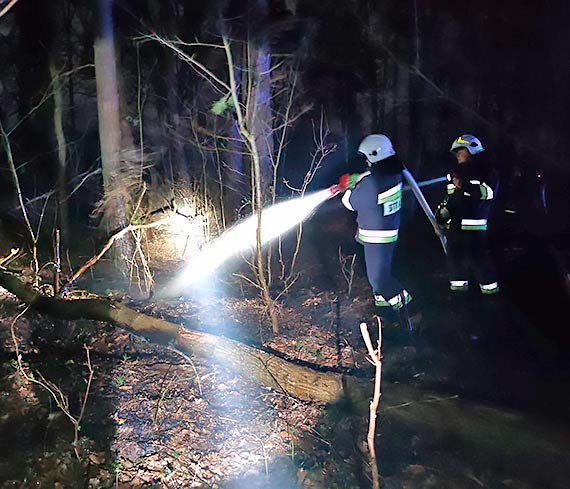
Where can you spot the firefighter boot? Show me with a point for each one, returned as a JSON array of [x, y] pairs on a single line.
[[409, 316]]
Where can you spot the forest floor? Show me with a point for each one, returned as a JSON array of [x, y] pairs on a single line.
[[477, 397]]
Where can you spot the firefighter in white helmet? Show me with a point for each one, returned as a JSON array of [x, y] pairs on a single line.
[[471, 188], [376, 196]]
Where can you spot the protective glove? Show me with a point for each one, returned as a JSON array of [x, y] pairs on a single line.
[[348, 181], [442, 215]]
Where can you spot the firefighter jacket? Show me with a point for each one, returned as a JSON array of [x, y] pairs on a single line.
[[470, 193], [377, 198]]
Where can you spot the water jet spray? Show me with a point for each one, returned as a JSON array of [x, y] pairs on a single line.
[[275, 221]]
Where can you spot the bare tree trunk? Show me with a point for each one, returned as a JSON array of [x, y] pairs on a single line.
[[33, 77], [268, 369], [256, 190], [377, 95], [260, 99], [389, 95], [174, 129], [63, 209], [169, 17], [116, 196], [236, 183], [67, 25]]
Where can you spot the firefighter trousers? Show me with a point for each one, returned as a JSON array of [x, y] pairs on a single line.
[[468, 254], [378, 258]]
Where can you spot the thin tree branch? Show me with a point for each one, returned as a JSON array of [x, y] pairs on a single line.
[[47, 94], [189, 59], [112, 239], [376, 360]]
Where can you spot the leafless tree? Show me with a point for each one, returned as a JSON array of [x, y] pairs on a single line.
[[115, 176]]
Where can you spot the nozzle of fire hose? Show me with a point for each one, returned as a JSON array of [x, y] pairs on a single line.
[[345, 182], [349, 180], [335, 190]]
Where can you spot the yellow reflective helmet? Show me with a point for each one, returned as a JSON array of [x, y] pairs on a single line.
[[469, 142]]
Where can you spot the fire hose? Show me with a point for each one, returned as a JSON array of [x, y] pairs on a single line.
[[415, 188], [425, 207]]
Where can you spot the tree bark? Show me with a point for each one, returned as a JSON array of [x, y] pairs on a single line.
[[171, 90], [63, 209], [259, 110], [116, 199]]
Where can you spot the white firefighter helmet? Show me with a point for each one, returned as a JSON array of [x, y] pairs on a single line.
[[469, 142], [376, 147]]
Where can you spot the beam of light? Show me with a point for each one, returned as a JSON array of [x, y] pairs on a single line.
[[241, 238], [186, 234]]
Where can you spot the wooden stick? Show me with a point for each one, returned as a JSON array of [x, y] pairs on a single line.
[[376, 360]]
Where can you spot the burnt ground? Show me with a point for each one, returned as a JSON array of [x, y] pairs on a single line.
[[476, 397]]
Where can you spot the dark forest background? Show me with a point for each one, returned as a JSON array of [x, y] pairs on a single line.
[[421, 72], [165, 122]]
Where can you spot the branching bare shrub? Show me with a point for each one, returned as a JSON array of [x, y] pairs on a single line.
[[235, 129], [60, 398], [323, 149], [347, 269], [34, 234]]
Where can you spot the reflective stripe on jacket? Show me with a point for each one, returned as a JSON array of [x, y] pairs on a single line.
[[474, 224], [377, 198], [469, 203]]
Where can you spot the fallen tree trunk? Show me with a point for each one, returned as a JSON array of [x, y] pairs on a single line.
[[270, 370]]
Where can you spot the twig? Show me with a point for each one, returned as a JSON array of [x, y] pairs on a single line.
[[77, 424], [189, 360], [347, 271], [257, 200], [57, 262], [162, 395], [46, 96], [190, 60], [8, 150], [112, 239], [146, 271], [264, 452], [84, 178], [290, 284], [13, 253], [376, 360], [247, 279], [56, 393]]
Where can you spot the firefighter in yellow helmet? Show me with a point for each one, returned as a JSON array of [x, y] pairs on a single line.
[[465, 212]]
